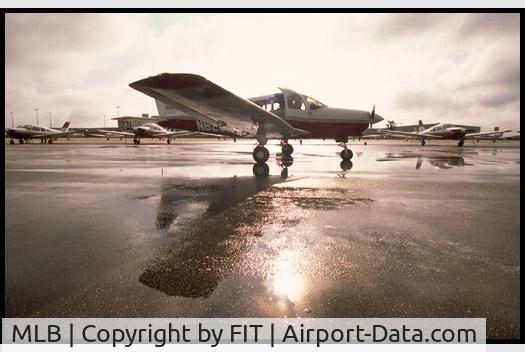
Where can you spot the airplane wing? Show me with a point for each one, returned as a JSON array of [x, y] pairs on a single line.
[[496, 133], [411, 134], [186, 134], [203, 99], [57, 135], [114, 133]]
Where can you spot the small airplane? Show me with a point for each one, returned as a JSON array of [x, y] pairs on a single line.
[[443, 131], [146, 130], [45, 134], [191, 102]]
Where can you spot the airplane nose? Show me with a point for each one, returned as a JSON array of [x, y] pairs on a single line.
[[377, 118]]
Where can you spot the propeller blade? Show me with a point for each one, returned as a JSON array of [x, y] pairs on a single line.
[[372, 115]]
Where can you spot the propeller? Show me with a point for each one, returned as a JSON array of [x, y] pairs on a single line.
[[372, 115]]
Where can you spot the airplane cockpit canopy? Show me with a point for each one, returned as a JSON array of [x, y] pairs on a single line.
[[32, 128], [314, 104], [293, 100], [150, 125]]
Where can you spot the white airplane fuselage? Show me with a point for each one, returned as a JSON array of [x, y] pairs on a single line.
[[30, 132], [149, 130]]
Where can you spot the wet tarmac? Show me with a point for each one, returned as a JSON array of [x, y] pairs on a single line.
[[186, 230]]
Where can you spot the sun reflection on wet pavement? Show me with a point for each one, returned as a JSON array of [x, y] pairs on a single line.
[[172, 231]]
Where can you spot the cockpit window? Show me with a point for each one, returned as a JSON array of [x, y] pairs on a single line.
[[295, 101], [314, 104]]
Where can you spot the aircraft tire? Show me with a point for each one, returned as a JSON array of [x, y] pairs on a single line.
[[11, 142], [20, 141], [168, 141], [50, 141], [346, 165], [261, 169], [287, 149], [422, 142], [346, 154], [260, 154], [460, 143]]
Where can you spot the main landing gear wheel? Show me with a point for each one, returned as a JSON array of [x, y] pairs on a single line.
[[20, 141], [261, 169], [260, 154], [50, 141], [11, 142], [346, 154], [168, 141], [136, 141], [287, 149], [423, 142], [460, 143]]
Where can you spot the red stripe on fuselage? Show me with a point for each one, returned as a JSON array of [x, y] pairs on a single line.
[[329, 129], [316, 129]]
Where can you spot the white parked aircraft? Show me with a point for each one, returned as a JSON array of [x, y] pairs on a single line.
[[191, 102], [45, 134], [443, 131], [147, 130]]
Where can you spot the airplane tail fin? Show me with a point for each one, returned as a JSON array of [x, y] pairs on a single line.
[[166, 110], [161, 107], [420, 127], [65, 126]]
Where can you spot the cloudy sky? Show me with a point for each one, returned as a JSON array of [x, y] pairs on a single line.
[[461, 68]]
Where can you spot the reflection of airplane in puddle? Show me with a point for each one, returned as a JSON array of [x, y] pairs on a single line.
[[195, 268], [443, 131], [437, 161], [191, 102]]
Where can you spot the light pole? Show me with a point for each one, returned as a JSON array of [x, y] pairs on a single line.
[[36, 112], [12, 121], [118, 113]]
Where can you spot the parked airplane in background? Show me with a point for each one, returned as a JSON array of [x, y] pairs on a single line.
[[191, 102], [443, 131], [147, 130], [45, 134]]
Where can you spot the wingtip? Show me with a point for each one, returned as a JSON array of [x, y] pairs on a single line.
[[168, 80]]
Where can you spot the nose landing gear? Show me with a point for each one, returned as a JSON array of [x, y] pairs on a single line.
[[286, 148], [460, 143]]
